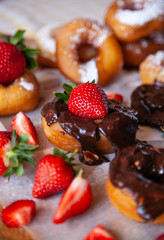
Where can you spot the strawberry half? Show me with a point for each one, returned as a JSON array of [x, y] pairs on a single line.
[[22, 124], [18, 213], [75, 200], [14, 57], [85, 101], [14, 150], [99, 233], [161, 237], [54, 174], [115, 96]]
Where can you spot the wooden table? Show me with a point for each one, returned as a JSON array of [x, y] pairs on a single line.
[[12, 233]]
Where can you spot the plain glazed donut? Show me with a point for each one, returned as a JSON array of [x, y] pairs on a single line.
[[101, 67], [152, 68], [135, 185], [20, 95], [45, 40], [135, 52], [91, 138], [132, 20]]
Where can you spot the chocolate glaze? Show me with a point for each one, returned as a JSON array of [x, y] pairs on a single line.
[[119, 126], [139, 169], [148, 100]]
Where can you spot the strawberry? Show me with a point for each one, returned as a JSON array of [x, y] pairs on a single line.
[[12, 62], [18, 213], [99, 233], [161, 237], [13, 151], [22, 124], [86, 101], [115, 96], [54, 174], [75, 200], [14, 57]]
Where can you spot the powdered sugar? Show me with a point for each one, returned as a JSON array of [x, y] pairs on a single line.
[[89, 71], [92, 33], [157, 58], [149, 12], [26, 85], [44, 39]]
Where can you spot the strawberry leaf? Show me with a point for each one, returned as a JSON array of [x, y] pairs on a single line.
[[67, 91], [59, 153], [5, 38], [21, 152], [13, 139], [18, 37], [19, 170]]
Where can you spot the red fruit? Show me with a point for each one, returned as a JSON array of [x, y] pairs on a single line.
[[161, 237], [53, 175], [75, 200], [18, 213], [115, 96], [88, 101], [22, 124], [5, 145], [12, 62], [99, 233]]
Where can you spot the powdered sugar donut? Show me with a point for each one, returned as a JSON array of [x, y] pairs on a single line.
[[105, 59], [20, 95], [152, 68], [45, 41], [135, 52], [135, 19]]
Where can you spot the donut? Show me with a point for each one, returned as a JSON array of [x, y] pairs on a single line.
[[92, 138], [148, 100], [45, 40], [132, 20], [135, 185], [152, 68], [105, 55], [20, 95], [135, 52]]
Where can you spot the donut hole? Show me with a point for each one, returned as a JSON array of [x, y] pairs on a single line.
[[86, 52]]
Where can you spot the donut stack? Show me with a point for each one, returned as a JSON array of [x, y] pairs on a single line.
[[139, 26]]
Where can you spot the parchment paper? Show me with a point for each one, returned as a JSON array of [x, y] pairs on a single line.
[[101, 210]]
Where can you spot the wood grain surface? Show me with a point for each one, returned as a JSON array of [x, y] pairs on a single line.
[[12, 233]]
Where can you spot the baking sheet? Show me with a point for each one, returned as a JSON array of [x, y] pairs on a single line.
[[101, 210], [32, 15]]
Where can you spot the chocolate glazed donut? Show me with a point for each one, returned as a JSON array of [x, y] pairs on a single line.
[[148, 100], [119, 128], [136, 176]]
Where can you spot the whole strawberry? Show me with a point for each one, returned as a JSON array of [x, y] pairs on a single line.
[[12, 62], [14, 57], [54, 174], [85, 101]]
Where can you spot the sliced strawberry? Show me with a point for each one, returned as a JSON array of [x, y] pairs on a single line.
[[54, 174], [75, 200], [14, 150], [161, 237], [22, 124], [5, 146], [99, 233], [115, 96], [18, 213]]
